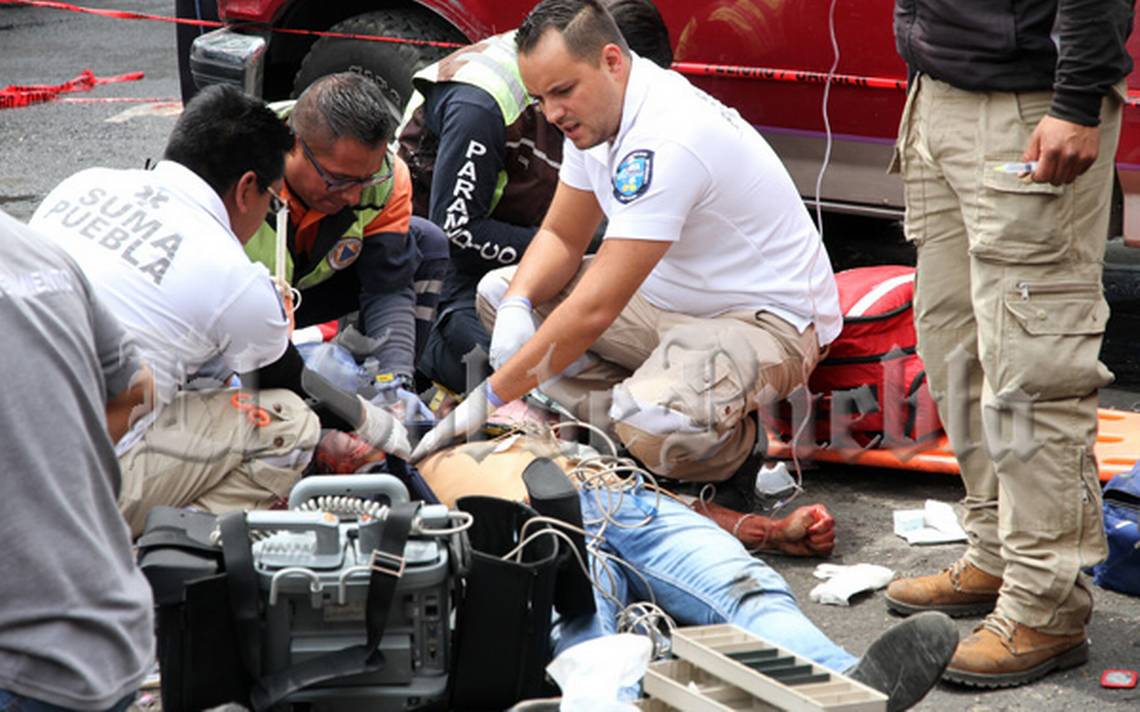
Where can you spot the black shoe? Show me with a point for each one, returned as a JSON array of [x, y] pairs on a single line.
[[738, 492], [908, 660]]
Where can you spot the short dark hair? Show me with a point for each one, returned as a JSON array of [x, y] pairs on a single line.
[[345, 104], [222, 133], [643, 29], [585, 25]]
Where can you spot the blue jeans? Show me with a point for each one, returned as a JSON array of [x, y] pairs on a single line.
[[700, 575], [12, 702]]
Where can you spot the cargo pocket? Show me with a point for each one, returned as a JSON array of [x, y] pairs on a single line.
[[914, 197], [714, 394], [281, 448], [1019, 221], [1052, 340], [699, 374]]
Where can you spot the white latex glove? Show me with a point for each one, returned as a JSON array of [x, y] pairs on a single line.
[[405, 405], [467, 418], [842, 582], [383, 431], [514, 325], [410, 406]]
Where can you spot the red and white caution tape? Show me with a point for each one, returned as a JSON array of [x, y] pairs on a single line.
[[690, 68], [799, 76], [17, 95], [130, 15]]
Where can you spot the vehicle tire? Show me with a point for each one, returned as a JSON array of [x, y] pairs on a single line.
[[390, 64], [185, 36]]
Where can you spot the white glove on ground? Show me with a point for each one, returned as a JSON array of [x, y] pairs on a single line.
[[383, 431], [843, 582], [514, 325]]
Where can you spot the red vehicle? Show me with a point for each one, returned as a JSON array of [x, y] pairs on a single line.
[[726, 46]]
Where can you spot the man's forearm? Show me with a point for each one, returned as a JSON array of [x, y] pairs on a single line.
[[127, 407], [572, 328], [566, 334], [547, 266], [389, 318], [1092, 56], [555, 254]]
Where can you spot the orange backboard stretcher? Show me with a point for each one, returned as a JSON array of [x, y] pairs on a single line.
[[1117, 450]]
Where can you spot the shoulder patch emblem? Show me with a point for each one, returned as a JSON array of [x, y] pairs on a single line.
[[633, 175], [345, 252]]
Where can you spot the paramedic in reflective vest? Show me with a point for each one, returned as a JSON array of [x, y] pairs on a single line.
[[163, 249], [353, 244], [484, 165], [1009, 306], [712, 293]]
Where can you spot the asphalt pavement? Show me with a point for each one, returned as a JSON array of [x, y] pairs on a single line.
[[43, 144]]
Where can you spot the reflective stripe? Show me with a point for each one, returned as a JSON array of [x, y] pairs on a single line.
[[425, 313], [880, 290], [500, 186], [489, 65], [431, 286], [282, 108], [538, 153], [509, 78]]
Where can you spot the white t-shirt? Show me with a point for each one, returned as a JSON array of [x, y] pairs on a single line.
[[686, 169], [158, 248]]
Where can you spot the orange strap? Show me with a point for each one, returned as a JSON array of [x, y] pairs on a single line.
[[257, 415]]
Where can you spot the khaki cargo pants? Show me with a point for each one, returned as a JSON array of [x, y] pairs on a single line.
[[204, 451], [676, 388], [1010, 316]]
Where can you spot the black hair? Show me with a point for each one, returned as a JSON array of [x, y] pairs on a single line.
[[644, 30], [585, 25], [222, 133], [343, 104]]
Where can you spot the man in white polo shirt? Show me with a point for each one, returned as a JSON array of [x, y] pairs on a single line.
[[712, 293]]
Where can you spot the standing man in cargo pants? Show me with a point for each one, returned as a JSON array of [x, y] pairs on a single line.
[[1009, 306]]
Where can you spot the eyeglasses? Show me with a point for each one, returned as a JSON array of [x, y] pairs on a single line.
[[276, 202], [336, 185]]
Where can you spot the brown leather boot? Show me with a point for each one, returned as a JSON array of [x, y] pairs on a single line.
[[1004, 653], [962, 589]]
